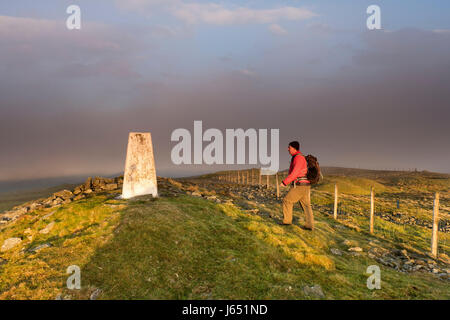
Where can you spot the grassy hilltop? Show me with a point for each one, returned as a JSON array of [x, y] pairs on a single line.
[[202, 239]]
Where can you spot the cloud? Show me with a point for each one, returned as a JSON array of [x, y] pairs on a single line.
[[216, 14], [320, 28], [68, 100], [277, 29], [247, 72], [47, 46], [139, 5], [211, 13], [442, 31]]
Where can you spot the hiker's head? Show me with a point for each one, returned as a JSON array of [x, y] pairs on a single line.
[[293, 148]]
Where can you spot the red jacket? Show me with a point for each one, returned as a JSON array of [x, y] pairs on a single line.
[[297, 169]]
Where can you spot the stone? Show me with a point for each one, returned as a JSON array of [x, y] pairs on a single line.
[[95, 294], [347, 242], [443, 276], [33, 206], [64, 194], [314, 291], [140, 172], [111, 186], [77, 190], [118, 180], [79, 197], [48, 228], [48, 215], [355, 249], [40, 247], [98, 183], [336, 252], [88, 184], [10, 243], [21, 210], [57, 201]]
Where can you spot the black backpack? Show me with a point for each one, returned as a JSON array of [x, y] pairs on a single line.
[[313, 174]]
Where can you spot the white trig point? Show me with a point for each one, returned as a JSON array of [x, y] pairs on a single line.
[[140, 173]]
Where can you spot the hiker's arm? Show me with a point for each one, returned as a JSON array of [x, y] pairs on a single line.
[[297, 171]]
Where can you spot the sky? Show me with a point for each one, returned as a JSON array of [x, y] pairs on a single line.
[[353, 97]]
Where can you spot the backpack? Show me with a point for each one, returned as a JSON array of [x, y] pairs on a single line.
[[314, 173]]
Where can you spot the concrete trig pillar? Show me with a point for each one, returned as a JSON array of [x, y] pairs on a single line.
[[140, 173]]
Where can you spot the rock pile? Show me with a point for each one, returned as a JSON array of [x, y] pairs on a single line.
[[404, 261], [91, 185]]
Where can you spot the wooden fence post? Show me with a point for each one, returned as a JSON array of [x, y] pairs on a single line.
[[247, 176], [335, 201], [371, 209], [434, 236], [278, 186], [267, 181], [260, 177]]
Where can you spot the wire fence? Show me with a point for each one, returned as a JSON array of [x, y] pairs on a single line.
[[390, 215]]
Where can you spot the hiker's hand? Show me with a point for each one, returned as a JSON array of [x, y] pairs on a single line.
[[282, 185]]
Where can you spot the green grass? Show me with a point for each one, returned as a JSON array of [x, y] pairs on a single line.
[[191, 248], [80, 229], [353, 185]]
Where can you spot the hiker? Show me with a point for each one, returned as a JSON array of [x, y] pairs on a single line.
[[301, 187]]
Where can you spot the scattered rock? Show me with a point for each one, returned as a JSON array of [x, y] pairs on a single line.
[[10, 243], [355, 249], [314, 291], [78, 190], [348, 242], [88, 184], [48, 228], [40, 247], [79, 197], [95, 294], [64, 194], [111, 186], [336, 252], [48, 215]]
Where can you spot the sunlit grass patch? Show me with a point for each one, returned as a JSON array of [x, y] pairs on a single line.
[[79, 229]]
